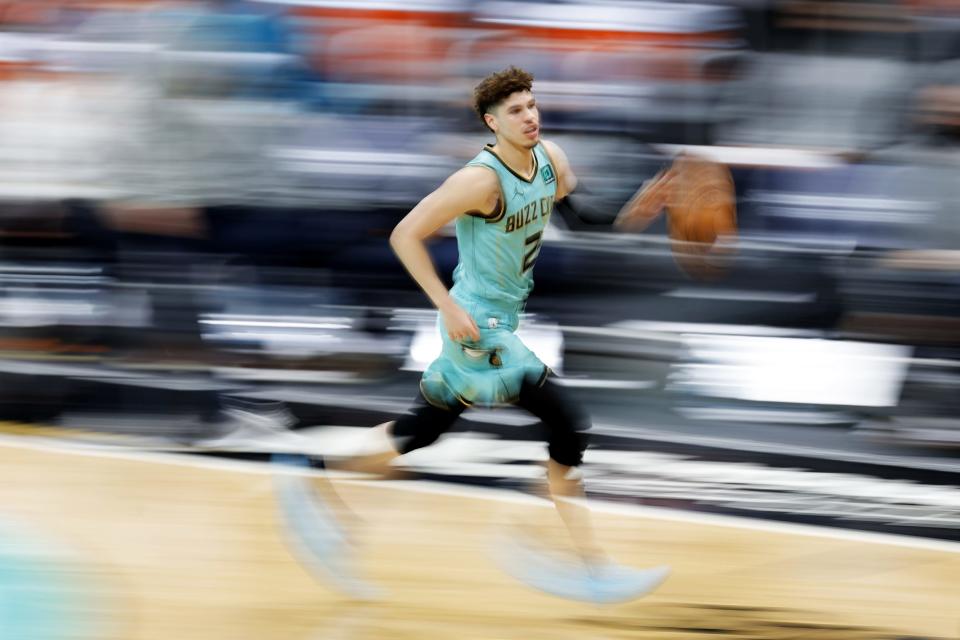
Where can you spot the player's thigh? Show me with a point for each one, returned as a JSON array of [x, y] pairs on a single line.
[[422, 425]]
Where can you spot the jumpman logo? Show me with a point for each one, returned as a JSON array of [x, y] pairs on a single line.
[[517, 192]]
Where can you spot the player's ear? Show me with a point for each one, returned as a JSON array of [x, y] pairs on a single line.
[[491, 121]]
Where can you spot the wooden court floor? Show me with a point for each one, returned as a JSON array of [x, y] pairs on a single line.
[[164, 547]]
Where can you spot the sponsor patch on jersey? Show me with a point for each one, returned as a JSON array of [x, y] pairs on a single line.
[[548, 174]]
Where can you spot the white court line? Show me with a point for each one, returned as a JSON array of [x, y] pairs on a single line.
[[776, 448], [486, 493]]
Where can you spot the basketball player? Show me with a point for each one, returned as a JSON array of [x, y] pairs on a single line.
[[501, 203]]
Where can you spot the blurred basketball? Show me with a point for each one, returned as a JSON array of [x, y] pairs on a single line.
[[702, 209]]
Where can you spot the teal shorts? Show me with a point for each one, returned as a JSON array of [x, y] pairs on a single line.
[[486, 373]]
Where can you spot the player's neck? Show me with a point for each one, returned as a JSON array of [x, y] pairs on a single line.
[[519, 159]]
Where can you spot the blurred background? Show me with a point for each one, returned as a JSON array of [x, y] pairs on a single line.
[[195, 200]]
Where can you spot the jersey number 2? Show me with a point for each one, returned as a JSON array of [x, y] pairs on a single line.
[[531, 254]]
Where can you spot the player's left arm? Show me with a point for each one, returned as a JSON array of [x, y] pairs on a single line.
[[581, 205], [642, 209], [566, 178], [647, 203]]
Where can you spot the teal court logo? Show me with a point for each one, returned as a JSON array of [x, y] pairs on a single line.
[[45, 593]]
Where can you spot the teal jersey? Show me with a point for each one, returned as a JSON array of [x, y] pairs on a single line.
[[492, 281], [498, 251]]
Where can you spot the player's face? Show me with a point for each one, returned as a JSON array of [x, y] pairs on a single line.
[[517, 120]]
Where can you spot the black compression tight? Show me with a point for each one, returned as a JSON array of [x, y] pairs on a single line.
[[564, 422]]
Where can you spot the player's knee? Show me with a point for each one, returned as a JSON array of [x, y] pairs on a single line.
[[569, 436], [571, 433], [566, 446], [566, 423]]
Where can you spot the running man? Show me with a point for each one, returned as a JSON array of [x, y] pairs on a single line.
[[501, 203]]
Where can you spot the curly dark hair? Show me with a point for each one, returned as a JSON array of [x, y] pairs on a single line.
[[496, 87]]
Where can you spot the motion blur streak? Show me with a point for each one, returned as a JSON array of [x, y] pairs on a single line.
[[196, 198]]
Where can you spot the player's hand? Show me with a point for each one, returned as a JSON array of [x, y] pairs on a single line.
[[647, 203], [460, 326]]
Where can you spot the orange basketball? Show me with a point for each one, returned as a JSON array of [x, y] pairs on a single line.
[[702, 208]]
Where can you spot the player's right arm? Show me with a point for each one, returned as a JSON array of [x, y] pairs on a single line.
[[469, 189]]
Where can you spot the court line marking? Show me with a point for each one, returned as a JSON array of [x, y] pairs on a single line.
[[757, 446], [501, 495]]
